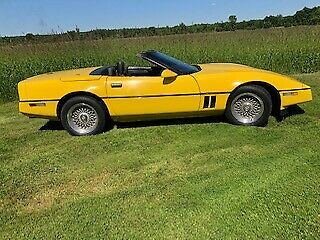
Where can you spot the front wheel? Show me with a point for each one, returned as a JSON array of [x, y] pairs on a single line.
[[249, 105], [82, 116]]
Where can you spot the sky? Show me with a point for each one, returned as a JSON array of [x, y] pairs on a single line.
[[19, 17]]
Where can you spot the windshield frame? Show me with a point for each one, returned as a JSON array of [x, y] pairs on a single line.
[[168, 62]]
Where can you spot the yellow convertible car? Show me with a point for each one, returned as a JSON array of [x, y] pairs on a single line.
[[86, 100]]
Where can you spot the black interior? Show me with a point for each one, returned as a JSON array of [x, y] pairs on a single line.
[[145, 71], [121, 69]]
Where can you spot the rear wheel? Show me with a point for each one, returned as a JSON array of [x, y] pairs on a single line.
[[82, 116], [249, 105]]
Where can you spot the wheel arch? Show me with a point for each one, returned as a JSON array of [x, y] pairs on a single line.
[[275, 95], [64, 99]]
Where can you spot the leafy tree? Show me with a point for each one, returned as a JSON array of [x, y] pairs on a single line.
[[232, 22], [233, 19], [29, 37]]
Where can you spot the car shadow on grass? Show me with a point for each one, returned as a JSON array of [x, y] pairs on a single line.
[[172, 122], [52, 126], [57, 126], [289, 112]]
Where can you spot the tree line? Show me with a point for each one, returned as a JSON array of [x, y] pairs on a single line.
[[307, 16]]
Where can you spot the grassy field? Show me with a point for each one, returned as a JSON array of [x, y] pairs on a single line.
[[198, 180], [285, 50]]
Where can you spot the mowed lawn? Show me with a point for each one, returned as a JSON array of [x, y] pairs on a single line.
[[196, 180]]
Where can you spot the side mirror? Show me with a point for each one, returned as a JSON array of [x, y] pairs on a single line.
[[168, 74]]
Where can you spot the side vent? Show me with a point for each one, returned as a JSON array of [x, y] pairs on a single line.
[[209, 102], [206, 102], [213, 102]]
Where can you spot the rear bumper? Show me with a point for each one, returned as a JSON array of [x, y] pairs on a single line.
[[39, 109], [295, 96]]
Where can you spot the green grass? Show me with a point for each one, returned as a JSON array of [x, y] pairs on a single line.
[[284, 50], [192, 181]]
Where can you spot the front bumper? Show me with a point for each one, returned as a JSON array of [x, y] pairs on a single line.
[[295, 96]]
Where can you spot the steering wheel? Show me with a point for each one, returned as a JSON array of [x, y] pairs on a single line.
[[122, 69]]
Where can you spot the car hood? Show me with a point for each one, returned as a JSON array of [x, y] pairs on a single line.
[[227, 76], [67, 76], [225, 67]]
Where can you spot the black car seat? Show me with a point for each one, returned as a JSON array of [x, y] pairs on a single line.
[[122, 69]]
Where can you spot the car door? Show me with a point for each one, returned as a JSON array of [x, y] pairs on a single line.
[[143, 96]]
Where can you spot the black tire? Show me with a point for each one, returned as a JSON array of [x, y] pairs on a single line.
[[79, 113], [249, 105]]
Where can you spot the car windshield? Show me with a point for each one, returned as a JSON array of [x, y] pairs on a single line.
[[169, 62]]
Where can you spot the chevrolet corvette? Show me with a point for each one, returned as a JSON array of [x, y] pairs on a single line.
[[86, 100]]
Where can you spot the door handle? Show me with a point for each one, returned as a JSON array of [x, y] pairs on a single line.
[[116, 85]]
